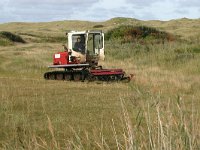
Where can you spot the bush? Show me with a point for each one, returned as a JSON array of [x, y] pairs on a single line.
[[11, 37], [98, 26], [128, 33]]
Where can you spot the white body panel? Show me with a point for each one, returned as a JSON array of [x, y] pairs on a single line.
[[99, 51]]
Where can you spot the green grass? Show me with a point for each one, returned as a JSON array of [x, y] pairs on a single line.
[[5, 42], [158, 110]]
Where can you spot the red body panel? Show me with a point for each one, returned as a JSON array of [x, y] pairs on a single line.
[[107, 72], [60, 58]]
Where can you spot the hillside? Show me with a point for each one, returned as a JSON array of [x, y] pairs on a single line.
[[157, 110], [185, 28]]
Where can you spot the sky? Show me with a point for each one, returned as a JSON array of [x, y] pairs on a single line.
[[96, 10]]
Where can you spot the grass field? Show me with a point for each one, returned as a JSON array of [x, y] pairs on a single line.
[[158, 110]]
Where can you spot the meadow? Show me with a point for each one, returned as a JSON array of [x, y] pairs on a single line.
[[159, 109]]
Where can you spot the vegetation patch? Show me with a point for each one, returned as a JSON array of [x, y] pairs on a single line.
[[98, 26], [11, 37], [43, 39], [195, 49], [5, 42], [128, 33], [191, 49]]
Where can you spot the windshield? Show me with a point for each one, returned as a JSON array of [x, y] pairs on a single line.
[[94, 43]]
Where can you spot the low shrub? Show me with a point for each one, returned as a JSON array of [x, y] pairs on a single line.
[[128, 33], [11, 37], [98, 26]]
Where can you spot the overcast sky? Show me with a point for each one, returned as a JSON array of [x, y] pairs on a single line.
[[96, 10]]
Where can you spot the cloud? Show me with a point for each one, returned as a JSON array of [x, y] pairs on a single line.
[[143, 3], [115, 12], [187, 8], [96, 10], [42, 10], [187, 3], [50, 2], [181, 11], [139, 9]]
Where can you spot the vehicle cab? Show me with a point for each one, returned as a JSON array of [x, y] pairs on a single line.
[[86, 45]]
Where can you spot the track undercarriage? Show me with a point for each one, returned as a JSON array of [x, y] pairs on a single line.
[[79, 73]]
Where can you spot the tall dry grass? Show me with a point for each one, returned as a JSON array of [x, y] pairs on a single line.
[[159, 110], [155, 126]]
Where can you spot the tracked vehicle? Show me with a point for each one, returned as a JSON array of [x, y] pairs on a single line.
[[79, 60]]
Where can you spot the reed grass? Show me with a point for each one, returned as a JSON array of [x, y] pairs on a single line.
[[158, 110]]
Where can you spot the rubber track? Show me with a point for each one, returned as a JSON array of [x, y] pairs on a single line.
[[84, 75], [62, 75]]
